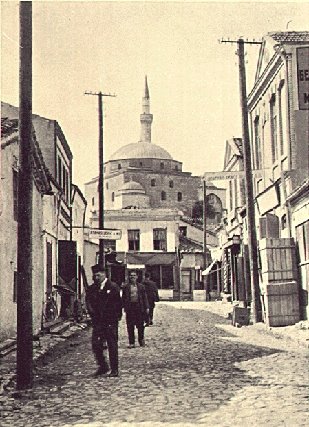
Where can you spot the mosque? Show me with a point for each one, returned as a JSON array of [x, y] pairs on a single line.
[[144, 175], [152, 200]]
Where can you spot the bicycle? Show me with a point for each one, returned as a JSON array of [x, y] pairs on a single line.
[[50, 308]]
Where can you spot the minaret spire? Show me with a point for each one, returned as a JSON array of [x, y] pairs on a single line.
[[146, 117]]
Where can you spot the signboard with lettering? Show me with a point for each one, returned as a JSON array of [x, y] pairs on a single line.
[[105, 234], [268, 200], [227, 175], [303, 77]]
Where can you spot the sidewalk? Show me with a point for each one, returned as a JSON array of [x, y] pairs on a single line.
[[41, 346], [296, 335]]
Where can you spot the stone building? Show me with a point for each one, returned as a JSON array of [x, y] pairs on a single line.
[[8, 228]]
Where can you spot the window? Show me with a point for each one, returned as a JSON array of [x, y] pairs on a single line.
[[183, 230], [141, 164], [161, 165], [119, 166], [134, 240], [171, 184], [231, 194], [59, 170], [176, 167], [159, 239], [163, 195], [107, 186], [283, 222], [257, 143], [113, 196], [153, 183], [15, 287], [274, 128], [92, 202], [302, 237], [179, 197], [281, 120], [15, 195]]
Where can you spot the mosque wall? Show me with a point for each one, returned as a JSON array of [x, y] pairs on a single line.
[[165, 190]]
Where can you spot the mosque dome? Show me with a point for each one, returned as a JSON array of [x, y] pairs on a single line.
[[141, 150], [132, 187]]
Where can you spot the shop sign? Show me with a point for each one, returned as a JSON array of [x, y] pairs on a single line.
[[268, 200], [303, 77], [228, 175], [105, 234]]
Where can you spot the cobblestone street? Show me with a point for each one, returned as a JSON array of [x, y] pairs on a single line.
[[193, 370]]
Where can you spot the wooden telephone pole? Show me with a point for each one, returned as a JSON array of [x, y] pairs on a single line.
[[205, 236], [24, 354], [100, 96], [252, 239]]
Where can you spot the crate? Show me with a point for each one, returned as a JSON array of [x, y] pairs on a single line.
[[278, 260], [281, 303], [240, 316]]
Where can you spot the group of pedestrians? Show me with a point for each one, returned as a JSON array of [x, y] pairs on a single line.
[[105, 302]]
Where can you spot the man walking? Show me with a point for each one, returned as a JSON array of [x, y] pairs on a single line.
[[152, 296], [105, 308], [135, 303]]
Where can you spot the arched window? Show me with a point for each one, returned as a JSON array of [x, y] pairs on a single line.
[[179, 197], [153, 182], [163, 195], [119, 165], [161, 165], [113, 196], [171, 184], [107, 186]]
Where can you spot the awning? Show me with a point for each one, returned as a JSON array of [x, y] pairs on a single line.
[[151, 258], [64, 289], [209, 268]]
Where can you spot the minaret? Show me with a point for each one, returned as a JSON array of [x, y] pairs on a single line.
[[146, 117]]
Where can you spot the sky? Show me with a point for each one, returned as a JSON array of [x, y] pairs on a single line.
[[111, 46]]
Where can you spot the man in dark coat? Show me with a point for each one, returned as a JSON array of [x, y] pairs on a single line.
[[135, 303], [105, 308], [152, 296]]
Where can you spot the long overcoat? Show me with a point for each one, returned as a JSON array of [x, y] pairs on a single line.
[[104, 306]]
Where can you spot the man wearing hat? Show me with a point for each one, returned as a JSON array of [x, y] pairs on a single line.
[[105, 308]]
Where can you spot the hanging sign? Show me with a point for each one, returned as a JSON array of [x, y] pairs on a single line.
[[227, 175], [105, 234]]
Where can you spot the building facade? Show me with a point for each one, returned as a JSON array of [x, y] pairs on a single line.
[[279, 120], [9, 224]]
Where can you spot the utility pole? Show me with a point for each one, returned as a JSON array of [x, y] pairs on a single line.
[[24, 354], [100, 96], [252, 239], [205, 236]]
